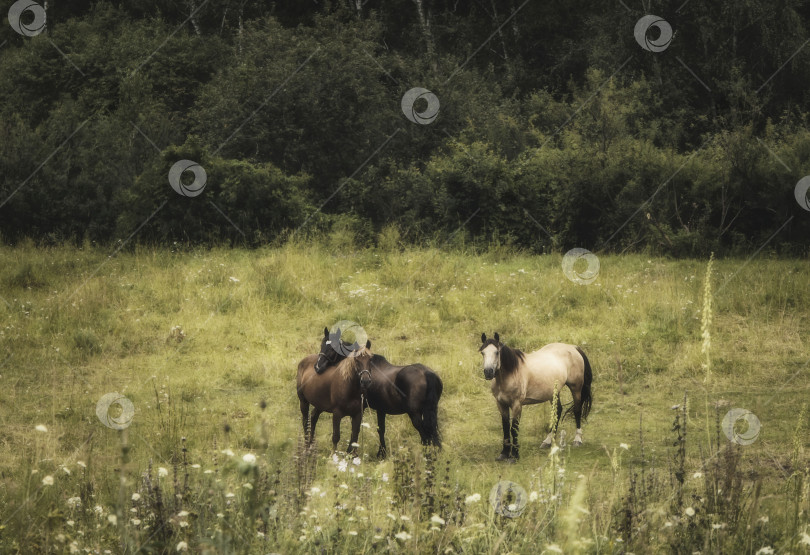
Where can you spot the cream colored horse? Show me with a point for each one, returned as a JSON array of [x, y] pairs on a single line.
[[525, 379]]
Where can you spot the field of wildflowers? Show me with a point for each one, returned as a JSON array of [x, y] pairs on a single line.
[[696, 442]]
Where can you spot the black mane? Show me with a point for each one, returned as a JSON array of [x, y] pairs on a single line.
[[510, 358]]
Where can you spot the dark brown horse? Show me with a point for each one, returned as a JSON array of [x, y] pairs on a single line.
[[413, 389], [336, 389]]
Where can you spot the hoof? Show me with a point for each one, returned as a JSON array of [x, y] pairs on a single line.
[[502, 457], [576, 443], [512, 460], [381, 454], [545, 445]]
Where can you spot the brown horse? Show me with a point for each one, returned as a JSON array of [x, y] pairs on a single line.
[[413, 389], [526, 379], [338, 390]]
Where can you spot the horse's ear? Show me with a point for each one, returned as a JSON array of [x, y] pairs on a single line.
[[497, 337], [368, 343], [326, 332], [483, 338]]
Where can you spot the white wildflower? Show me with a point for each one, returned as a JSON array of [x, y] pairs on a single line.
[[74, 502], [162, 472], [227, 452], [624, 446], [533, 496], [136, 496], [41, 428], [182, 546], [474, 498], [47, 481], [767, 550], [356, 461], [249, 458], [690, 511], [436, 519], [403, 536], [112, 519]]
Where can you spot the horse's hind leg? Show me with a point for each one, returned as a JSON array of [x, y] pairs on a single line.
[[578, 416], [304, 405], [416, 420], [550, 437], [312, 422], [381, 430]]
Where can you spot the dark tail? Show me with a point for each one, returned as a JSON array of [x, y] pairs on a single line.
[[430, 408], [587, 397]]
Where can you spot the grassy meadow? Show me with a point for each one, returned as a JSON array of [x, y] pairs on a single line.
[[205, 344]]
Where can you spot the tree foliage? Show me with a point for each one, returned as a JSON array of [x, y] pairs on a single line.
[[555, 128]]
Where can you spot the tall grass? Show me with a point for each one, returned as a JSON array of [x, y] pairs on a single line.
[[205, 344]]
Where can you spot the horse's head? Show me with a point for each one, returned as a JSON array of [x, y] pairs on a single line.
[[327, 356], [363, 358], [358, 365], [491, 351]]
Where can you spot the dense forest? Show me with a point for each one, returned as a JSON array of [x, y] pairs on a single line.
[[544, 124]]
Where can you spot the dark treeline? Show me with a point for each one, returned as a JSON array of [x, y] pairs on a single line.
[[558, 131]]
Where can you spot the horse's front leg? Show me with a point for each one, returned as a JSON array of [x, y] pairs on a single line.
[[517, 408], [381, 430], [504, 410], [336, 416], [356, 420]]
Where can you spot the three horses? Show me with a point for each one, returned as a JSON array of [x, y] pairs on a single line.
[[344, 379]]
